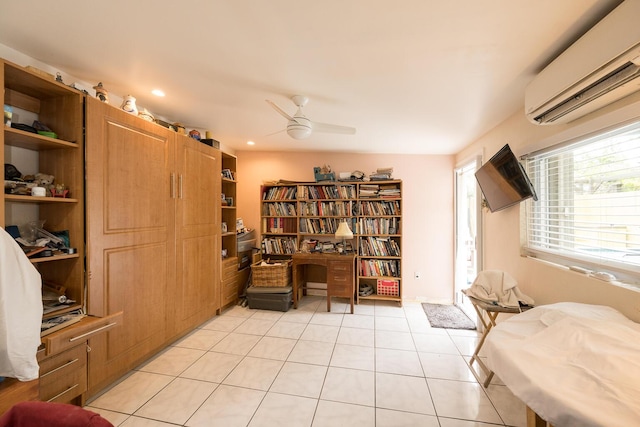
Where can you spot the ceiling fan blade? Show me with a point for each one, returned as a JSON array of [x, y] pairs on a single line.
[[276, 132], [279, 110], [324, 127]]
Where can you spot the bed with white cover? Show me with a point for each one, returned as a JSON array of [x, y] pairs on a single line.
[[573, 364]]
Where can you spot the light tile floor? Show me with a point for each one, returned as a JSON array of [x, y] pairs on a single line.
[[383, 366]]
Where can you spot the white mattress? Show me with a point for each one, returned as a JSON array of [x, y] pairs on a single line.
[[573, 364]]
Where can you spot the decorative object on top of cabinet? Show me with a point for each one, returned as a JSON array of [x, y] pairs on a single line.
[[194, 134], [129, 105], [101, 93], [179, 127], [146, 115]]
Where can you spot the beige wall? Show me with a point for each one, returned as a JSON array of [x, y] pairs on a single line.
[[547, 283], [427, 226]]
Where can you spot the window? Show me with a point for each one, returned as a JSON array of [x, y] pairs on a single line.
[[588, 212]]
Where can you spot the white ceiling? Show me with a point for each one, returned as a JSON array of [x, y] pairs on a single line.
[[413, 76]]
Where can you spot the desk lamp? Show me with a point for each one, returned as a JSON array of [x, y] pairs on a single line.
[[344, 232]]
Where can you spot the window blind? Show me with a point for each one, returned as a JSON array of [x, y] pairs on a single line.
[[588, 208]]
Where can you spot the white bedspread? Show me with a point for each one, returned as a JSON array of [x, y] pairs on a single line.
[[573, 364], [20, 311]]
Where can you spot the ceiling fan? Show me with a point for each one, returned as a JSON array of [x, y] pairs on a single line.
[[300, 127]]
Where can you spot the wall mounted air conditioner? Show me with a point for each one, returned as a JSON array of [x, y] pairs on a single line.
[[598, 69]]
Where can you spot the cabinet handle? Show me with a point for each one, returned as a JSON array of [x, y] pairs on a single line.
[[64, 392], [101, 328], [71, 362], [180, 186], [172, 185]]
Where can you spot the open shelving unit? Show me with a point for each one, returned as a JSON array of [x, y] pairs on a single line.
[[294, 212]]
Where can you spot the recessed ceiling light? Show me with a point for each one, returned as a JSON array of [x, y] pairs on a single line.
[[157, 92], [251, 143]]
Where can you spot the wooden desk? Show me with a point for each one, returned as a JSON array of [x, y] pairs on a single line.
[[341, 278]]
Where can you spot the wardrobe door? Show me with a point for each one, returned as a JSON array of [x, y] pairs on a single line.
[[130, 208], [196, 296]]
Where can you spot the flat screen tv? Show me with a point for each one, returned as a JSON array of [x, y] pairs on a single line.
[[503, 181]]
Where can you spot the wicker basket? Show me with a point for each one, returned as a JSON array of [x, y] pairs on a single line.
[[271, 275]]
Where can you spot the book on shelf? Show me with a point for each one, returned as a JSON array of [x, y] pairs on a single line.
[[228, 174]]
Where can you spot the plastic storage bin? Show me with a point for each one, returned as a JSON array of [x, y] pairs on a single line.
[[277, 299]]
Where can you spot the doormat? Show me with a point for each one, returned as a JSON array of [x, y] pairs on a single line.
[[447, 316]]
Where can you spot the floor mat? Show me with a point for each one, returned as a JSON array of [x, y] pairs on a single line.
[[447, 316]]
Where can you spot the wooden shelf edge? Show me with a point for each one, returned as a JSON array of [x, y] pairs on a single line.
[[381, 297], [29, 140], [53, 258], [32, 199]]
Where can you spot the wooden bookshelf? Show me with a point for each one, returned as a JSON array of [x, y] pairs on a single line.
[[292, 213]]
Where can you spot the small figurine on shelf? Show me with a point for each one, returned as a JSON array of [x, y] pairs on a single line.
[[59, 78], [101, 93], [60, 190], [194, 134], [129, 105]]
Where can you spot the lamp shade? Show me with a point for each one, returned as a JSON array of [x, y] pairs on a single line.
[[343, 231]]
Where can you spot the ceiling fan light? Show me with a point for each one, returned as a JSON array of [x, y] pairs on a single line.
[[299, 131]]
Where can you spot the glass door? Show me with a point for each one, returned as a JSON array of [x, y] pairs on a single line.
[[468, 242]]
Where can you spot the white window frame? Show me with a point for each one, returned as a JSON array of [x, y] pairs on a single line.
[[624, 272]]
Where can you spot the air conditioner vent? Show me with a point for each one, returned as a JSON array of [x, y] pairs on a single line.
[[607, 84]]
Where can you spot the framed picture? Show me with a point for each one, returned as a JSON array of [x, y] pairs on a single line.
[[229, 201]]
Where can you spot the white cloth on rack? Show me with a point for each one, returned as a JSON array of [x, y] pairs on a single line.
[[20, 311], [497, 287]]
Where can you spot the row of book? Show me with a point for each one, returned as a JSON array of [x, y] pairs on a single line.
[[379, 267], [388, 191], [378, 226], [279, 225], [379, 191], [279, 245], [327, 208], [280, 193], [382, 207], [347, 208], [327, 192], [306, 192], [323, 225], [279, 209], [378, 246]]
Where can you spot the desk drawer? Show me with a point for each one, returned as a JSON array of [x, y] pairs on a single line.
[[63, 377], [340, 279], [340, 267]]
